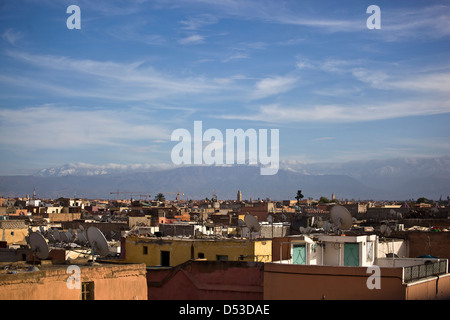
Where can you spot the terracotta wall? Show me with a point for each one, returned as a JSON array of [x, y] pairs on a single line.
[[429, 243], [436, 288], [111, 282], [303, 282], [207, 280]]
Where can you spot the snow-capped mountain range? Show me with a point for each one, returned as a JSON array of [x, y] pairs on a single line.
[[393, 179]]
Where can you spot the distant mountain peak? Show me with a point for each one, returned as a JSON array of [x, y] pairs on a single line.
[[87, 169]]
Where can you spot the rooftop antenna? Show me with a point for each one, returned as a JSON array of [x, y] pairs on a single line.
[[98, 243], [38, 245]]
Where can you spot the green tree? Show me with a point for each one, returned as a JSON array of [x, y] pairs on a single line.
[[160, 197], [423, 200], [324, 200]]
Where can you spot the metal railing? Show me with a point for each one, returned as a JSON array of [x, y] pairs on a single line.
[[429, 269]]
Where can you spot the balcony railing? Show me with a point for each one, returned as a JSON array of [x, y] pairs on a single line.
[[429, 269]]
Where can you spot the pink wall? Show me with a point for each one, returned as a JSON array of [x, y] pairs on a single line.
[[207, 280]]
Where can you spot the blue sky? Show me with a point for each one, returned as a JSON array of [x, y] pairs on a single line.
[[114, 90]]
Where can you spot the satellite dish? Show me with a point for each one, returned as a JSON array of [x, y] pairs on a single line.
[[63, 237], [304, 230], [341, 217], [38, 245], [81, 237], [51, 238], [252, 223], [327, 226], [57, 235], [385, 230], [70, 237], [97, 241]]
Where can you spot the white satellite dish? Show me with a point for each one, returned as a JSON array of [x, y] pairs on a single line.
[[97, 241], [341, 217], [38, 245], [252, 223]]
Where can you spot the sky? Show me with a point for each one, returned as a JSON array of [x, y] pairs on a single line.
[[114, 90]]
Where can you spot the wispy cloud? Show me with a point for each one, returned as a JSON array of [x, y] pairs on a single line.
[[276, 113], [323, 138], [199, 21], [416, 23], [69, 127], [12, 36], [273, 12], [192, 39], [273, 86], [121, 81]]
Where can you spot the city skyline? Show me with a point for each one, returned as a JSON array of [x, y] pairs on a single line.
[[114, 90]]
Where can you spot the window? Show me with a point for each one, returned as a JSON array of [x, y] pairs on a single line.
[[222, 258], [369, 251], [144, 250], [351, 254], [87, 290], [165, 258], [299, 254]]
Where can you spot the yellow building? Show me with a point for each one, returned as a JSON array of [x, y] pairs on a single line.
[[172, 251], [13, 231]]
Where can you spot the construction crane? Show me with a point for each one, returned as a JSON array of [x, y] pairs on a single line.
[[177, 193], [125, 192]]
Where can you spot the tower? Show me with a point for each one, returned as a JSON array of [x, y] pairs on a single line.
[[239, 196]]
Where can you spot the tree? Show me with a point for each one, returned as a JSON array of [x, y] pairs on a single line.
[[324, 200], [299, 196], [423, 200], [160, 197]]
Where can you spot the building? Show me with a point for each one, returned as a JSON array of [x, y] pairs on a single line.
[[259, 210], [168, 251], [318, 282], [352, 267], [13, 231], [20, 281]]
